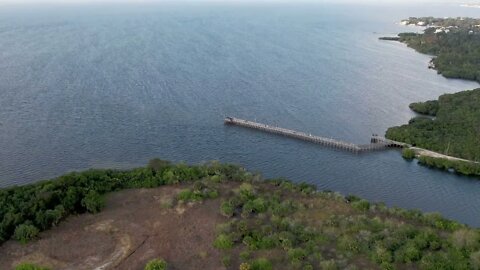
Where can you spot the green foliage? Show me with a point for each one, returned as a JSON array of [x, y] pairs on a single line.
[[199, 192], [93, 202], [362, 205], [408, 153], [475, 260], [25, 233], [29, 266], [245, 266], [454, 131], [226, 260], [223, 242], [428, 108], [156, 264], [227, 209], [328, 265], [262, 264], [457, 53], [285, 223]]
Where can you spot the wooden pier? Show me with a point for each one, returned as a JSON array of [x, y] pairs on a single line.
[[376, 142]]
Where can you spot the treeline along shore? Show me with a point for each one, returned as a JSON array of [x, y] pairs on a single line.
[[254, 223], [449, 126]]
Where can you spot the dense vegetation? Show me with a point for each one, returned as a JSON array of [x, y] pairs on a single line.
[[462, 167], [280, 225], [457, 50], [272, 224], [454, 131], [408, 153], [428, 107], [156, 264], [27, 210]]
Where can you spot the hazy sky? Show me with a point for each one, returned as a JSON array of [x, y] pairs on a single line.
[[291, 1]]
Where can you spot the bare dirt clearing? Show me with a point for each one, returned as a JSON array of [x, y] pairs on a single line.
[[135, 227]]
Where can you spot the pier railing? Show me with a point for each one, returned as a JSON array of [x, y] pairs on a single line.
[[377, 142]]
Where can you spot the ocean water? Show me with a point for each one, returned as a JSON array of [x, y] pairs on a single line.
[[112, 86]]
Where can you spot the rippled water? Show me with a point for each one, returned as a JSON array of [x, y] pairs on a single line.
[[113, 86]]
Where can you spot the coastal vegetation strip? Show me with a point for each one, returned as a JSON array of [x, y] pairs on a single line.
[[454, 43], [449, 126], [272, 224]]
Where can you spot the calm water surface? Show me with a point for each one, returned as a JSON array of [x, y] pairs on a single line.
[[113, 86]]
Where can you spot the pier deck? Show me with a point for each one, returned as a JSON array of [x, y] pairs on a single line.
[[377, 142]]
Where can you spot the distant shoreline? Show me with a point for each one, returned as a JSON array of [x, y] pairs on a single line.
[[470, 5]]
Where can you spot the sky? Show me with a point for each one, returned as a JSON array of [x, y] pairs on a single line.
[[292, 1]]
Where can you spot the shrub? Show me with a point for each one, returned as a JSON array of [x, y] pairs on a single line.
[[328, 265], [227, 209], [382, 255], [297, 254], [226, 261], [362, 205], [29, 266], [475, 260], [223, 242], [408, 153], [25, 233], [308, 267], [347, 243], [156, 264], [261, 264], [465, 238], [246, 191], [408, 253], [245, 255], [245, 266], [93, 202], [158, 165]]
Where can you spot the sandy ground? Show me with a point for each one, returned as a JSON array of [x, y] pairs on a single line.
[[135, 227], [428, 153]]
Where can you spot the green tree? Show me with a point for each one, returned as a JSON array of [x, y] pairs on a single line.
[[156, 264], [25, 233], [93, 202]]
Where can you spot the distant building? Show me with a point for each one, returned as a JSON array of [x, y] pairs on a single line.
[[421, 23]]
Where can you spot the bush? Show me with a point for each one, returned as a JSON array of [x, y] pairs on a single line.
[[29, 266], [226, 261], [25, 233], [245, 266], [156, 264], [475, 260], [465, 238], [328, 265], [227, 209], [223, 242], [93, 202], [362, 205], [262, 264], [408, 153], [349, 244]]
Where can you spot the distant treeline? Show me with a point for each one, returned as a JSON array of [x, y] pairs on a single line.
[[457, 52], [27, 210], [454, 130]]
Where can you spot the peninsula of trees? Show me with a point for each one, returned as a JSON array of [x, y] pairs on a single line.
[[236, 220], [454, 43], [451, 124]]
